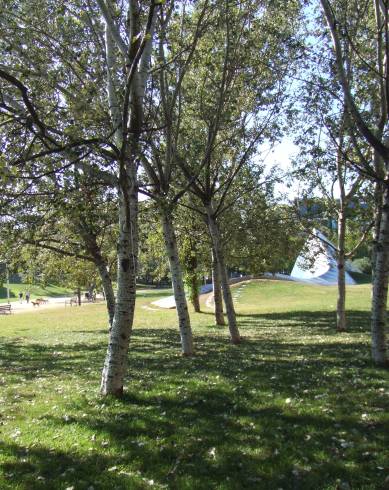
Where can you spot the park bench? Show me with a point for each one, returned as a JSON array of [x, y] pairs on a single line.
[[5, 309]]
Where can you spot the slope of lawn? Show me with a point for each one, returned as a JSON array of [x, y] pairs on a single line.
[[36, 290], [296, 406]]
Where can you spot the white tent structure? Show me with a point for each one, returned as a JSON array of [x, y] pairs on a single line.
[[317, 262]]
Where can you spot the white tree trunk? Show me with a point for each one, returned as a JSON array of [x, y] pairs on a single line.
[[116, 361], [341, 263], [380, 287], [378, 195], [216, 242], [127, 120], [178, 283], [217, 291]]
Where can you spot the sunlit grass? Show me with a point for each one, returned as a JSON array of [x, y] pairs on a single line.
[[296, 406], [36, 290]]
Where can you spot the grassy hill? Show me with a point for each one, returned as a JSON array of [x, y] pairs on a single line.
[[35, 290], [295, 406]]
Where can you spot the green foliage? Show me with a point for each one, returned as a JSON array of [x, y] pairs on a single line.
[[194, 249], [363, 264], [153, 263], [260, 235]]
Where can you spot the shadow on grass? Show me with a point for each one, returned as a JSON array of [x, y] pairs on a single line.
[[320, 322], [24, 361], [286, 409], [39, 468]]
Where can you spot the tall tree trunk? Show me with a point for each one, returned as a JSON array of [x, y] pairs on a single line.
[[178, 283], [380, 286], [217, 291], [194, 293], [101, 264], [109, 295], [378, 196], [191, 276], [216, 242], [116, 361], [127, 119], [341, 263]]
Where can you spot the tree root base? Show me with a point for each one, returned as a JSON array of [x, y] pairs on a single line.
[[383, 365], [236, 341], [116, 394]]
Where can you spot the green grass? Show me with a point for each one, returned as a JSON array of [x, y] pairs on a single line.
[[36, 291], [296, 406]]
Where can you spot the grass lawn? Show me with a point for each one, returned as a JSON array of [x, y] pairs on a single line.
[[296, 406], [36, 291]]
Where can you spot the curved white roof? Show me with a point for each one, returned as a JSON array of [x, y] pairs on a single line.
[[317, 262]]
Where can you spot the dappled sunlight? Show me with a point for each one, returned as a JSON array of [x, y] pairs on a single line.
[[295, 404]]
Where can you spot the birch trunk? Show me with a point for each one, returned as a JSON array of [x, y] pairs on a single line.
[[380, 286], [341, 263], [216, 242], [127, 119], [217, 291], [378, 195], [116, 361], [178, 284]]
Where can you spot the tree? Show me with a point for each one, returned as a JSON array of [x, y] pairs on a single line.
[[364, 31], [77, 110], [180, 30], [73, 219], [194, 251], [231, 95], [326, 169]]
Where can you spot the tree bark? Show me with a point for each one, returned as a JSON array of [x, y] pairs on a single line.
[[380, 286], [116, 361], [109, 295], [217, 291], [216, 242], [101, 264], [341, 263], [193, 280], [378, 196], [178, 283], [194, 295]]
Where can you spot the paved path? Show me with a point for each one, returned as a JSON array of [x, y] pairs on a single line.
[[28, 307]]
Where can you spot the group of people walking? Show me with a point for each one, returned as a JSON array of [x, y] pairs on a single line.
[[26, 295]]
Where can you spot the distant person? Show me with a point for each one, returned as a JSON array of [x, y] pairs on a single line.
[[27, 296], [20, 297]]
